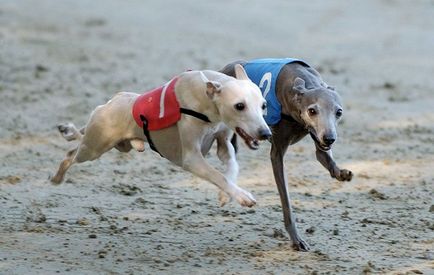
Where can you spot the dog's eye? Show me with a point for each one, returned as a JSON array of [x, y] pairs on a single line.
[[311, 111], [339, 113], [264, 106], [240, 106]]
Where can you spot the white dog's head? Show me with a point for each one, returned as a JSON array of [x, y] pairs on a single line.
[[241, 107]]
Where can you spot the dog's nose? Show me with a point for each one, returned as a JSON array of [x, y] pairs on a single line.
[[329, 140], [264, 134]]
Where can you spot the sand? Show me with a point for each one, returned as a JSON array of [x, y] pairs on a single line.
[[138, 214]]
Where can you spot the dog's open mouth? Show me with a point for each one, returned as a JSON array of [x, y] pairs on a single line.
[[318, 143], [251, 142]]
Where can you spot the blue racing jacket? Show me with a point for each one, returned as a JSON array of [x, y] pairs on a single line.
[[264, 73]]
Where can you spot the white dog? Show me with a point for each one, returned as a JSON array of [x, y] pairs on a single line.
[[209, 106]]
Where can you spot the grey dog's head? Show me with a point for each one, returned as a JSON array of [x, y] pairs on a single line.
[[320, 109]]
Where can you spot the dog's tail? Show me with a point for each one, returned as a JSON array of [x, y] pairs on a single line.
[[70, 132]]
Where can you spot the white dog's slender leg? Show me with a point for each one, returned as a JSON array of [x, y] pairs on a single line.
[[226, 153], [64, 165], [196, 164], [70, 132], [191, 134]]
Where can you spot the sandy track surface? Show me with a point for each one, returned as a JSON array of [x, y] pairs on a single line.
[[137, 213]]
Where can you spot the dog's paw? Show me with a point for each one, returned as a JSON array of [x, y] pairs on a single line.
[[55, 180], [224, 198], [300, 245], [68, 131], [344, 175], [244, 198]]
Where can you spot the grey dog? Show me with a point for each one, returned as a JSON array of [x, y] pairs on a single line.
[[308, 106]]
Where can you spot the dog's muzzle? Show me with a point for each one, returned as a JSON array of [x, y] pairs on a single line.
[[251, 142], [318, 143], [264, 134]]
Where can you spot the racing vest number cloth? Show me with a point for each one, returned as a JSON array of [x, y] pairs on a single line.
[[264, 73], [159, 106]]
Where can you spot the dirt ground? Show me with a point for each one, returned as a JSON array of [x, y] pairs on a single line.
[[138, 214]]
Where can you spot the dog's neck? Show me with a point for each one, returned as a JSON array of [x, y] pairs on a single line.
[[208, 108], [290, 106], [285, 92], [287, 97], [196, 99]]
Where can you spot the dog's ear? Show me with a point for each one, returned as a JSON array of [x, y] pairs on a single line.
[[213, 88], [240, 73], [299, 85], [325, 85]]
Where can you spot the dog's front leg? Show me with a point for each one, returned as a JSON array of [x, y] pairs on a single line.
[[227, 155], [326, 159], [280, 142], [194, 162], [192, 134]]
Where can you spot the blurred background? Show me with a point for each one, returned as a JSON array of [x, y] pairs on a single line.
[[60, 59]]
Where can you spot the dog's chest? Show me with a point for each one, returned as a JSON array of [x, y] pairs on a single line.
[[159, 107], [210, 132], [214, 128]]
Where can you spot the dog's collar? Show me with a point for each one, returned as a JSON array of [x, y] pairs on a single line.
[[195, 114]]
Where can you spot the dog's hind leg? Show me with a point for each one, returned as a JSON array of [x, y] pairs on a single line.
[[64, 166], [280, 141], [70, 132], [95, 142], [86, 151]]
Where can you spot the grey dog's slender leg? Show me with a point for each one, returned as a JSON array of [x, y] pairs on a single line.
[[280, 143], [326, 159]]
